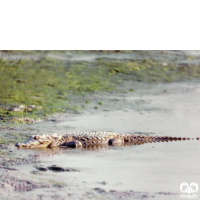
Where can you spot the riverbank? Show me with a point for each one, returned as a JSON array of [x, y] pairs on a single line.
[[149, 171]]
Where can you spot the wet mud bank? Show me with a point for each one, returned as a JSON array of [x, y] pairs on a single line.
[[153, 170]]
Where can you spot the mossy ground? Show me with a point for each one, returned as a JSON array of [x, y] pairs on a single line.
[[51, 84], [150, 70], [46, 83]]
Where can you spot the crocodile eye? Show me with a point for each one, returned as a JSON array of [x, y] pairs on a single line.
[[36, 138]]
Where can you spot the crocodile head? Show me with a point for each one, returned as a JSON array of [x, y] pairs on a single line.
[[36, 141]]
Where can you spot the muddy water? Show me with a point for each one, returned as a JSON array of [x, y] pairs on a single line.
[[150, 167], [161, 109], [155, 109]]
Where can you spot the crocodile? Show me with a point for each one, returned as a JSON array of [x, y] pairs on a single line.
[[92, 139]]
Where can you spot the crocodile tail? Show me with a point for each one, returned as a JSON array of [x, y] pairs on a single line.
[[152, 139]]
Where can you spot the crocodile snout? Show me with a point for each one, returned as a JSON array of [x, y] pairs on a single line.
[[20, 145]]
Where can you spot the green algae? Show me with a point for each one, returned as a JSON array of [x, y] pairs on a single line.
[[150, 70], [51, 85], [48, 84]]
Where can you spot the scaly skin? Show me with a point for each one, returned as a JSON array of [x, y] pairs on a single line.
[[91, 139]]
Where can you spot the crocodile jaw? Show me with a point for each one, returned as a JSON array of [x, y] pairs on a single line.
[[35, 141]]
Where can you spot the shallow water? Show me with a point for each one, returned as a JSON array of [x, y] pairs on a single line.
[[151, 167], [162, 109]]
